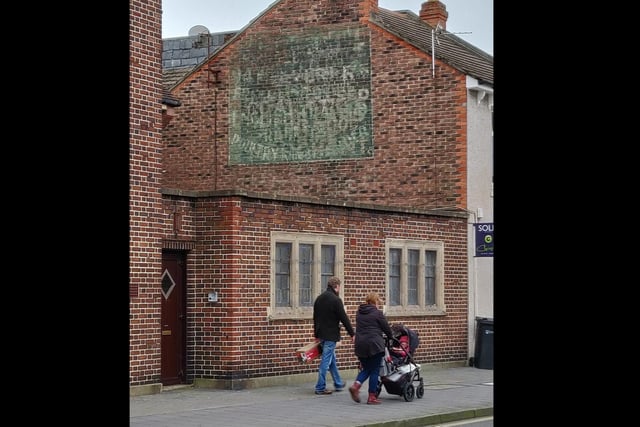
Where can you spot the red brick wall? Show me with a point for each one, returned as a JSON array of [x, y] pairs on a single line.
[[234, 339], [419, 127], [145, 206]]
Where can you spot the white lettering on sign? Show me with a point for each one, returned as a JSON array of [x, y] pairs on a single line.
[[485, 227]]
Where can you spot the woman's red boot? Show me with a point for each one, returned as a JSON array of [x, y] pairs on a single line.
[[355, 391], [373, 400]]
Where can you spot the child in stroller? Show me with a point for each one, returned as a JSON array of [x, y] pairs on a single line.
[[399, 374]]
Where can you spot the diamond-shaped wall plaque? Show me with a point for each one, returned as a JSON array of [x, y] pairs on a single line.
[[167, 284]]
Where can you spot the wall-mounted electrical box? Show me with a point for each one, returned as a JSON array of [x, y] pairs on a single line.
[[213, 297]]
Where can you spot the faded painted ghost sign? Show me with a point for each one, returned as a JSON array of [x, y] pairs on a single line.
[[301, 97]]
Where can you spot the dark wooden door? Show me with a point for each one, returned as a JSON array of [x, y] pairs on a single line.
[[173, 341]]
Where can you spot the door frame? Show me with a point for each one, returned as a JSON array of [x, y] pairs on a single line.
[[173, 317]]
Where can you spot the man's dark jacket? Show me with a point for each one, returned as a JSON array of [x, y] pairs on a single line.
[[328, 313], [371, 323]]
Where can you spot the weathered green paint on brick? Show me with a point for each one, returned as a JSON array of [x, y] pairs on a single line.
[[301, 97]]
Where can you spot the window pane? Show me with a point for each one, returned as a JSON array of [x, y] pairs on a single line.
[[412, 276], [395, 259], [283, 274], [328, 264], [305, 276], [430, 277]]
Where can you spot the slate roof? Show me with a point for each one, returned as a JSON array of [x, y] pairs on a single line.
[[451, 49], [189, 51], [180, 55]]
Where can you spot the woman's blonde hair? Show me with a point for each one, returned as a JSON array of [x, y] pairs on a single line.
[[373, 298]]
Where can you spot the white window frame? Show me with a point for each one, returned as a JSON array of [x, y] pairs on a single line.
[[421, 309], [295, 311]]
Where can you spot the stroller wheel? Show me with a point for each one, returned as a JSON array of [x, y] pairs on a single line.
[[408, 392], [420, 391]]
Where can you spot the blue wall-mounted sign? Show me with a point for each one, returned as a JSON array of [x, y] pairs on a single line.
[[484, 239]]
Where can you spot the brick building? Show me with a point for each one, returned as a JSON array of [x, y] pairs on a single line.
[[322, 139], [145, 199]]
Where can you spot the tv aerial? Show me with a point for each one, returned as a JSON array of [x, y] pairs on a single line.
[[435, 32]]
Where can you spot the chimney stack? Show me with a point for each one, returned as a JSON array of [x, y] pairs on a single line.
[[434, 12]]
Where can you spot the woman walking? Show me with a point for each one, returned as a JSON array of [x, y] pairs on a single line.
[[371, 323]]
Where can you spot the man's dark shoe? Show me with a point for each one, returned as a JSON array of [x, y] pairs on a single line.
[[324, 392], [337, 389]]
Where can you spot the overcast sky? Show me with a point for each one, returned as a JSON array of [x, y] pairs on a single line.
[[179, 16]]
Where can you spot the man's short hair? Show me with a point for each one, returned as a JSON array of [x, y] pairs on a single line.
[[333, 282]]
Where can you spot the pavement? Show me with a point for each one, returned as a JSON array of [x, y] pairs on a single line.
[[450, 394]]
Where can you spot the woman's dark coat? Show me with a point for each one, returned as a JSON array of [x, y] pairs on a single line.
[[370, 325]]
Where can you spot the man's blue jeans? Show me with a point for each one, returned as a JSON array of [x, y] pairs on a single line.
[[328, 363]]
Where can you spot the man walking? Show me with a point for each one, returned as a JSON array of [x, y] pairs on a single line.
[[328, 314]]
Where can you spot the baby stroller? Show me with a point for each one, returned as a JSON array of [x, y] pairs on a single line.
[[399, 374]]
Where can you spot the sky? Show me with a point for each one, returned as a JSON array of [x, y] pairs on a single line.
[[471, 20]]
